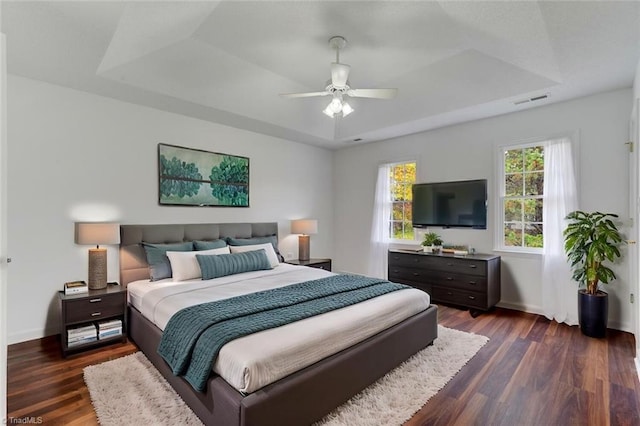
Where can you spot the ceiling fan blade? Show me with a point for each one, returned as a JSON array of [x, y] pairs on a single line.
[[339, 74], [303, 95], [373, 93]]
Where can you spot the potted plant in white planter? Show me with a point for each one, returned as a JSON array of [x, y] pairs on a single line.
[[431, 242], [590, 240]]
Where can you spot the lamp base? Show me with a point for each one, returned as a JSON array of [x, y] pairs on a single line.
[[303, 247], [97, 268]]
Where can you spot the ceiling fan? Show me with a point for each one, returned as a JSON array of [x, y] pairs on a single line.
[[338, 87]]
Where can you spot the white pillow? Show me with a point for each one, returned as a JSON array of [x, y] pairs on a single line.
[[185, 266], [268, 248]]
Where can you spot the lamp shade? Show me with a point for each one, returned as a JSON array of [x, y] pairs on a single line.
[[97, 233], [304, 226]]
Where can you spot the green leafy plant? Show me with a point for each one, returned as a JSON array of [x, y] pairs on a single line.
[[178, 178], [591, 239], [431, 239], [230, 181]]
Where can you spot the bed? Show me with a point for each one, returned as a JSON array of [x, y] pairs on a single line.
[[298, 397]]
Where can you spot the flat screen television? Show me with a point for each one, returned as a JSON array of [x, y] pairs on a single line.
[[461, 204]]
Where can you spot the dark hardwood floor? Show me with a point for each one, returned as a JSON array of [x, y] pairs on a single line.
[[532, 372]]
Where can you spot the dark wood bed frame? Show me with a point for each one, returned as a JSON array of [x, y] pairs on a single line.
[[300, 398]]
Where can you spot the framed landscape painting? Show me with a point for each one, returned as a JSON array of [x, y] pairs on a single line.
[[193, 177]]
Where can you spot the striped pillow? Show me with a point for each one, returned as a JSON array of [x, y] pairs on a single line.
[[221, 265]]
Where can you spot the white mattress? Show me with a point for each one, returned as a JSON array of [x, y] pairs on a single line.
[[254, 361]]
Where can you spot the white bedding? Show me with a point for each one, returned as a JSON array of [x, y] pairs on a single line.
[[254, 361]]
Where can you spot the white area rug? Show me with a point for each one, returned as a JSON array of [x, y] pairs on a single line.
[[130, 391]]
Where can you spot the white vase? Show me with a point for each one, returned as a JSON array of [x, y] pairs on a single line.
[[427, 249]]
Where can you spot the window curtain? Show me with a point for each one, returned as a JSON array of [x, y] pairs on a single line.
[[380, 225], [559, 291]]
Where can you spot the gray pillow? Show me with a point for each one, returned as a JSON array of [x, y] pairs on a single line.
[[257, 240], [159, 266], [208, 245], [215, 266]]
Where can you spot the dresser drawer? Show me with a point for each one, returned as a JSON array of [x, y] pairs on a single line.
[[426, 287], [462, 266], [94, 308], [460, 281], [410, 260], [406, 273], [459, 297]]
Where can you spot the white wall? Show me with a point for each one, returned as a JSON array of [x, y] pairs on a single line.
[[467, 151], [74, 156], [3, 225]]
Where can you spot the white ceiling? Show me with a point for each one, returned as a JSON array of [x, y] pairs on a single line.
[[226, 61]]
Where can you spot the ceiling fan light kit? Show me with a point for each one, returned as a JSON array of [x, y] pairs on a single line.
[[337, 106], [339, 87]]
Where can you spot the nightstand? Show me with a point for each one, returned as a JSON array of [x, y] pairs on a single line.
[[312, 263], [79, 311]]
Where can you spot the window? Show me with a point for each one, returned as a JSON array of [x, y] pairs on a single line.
[[401, 177], [522, 198]]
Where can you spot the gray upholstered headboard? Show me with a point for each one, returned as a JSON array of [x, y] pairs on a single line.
[[133, 260]]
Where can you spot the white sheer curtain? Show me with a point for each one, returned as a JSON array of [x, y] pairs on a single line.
[[559, 291], [380, 225]]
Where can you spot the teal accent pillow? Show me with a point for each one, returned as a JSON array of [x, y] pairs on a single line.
[[257, 240], [159, 266], [215, 266], [208, 245]]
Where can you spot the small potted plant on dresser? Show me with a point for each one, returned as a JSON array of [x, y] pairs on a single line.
[[591, 239], [431, 243]]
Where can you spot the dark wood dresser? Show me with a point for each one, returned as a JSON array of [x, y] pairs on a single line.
[[471, 281]]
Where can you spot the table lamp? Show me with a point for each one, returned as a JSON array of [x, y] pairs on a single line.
[[304, 227], [97, 233]]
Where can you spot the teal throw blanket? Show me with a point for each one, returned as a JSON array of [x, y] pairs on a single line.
[[194, 336]]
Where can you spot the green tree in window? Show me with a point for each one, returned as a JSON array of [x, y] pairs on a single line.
[[178, 178], [230, 181], [402, 178], [524, 178]]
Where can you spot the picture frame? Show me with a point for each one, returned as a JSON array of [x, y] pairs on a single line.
[[199, 178]]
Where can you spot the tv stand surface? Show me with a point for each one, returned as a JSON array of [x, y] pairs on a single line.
[[470, 281]]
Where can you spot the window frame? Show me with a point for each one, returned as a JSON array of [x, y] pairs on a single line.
[[500, 197], [390, 220]]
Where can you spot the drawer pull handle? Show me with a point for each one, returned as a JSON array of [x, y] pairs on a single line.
[[449, 293], [395, 271], [95, 300], [96, 314], [449, 279], [416, 274], [449, 264], [472, 297], [472, 282], [473, 266]]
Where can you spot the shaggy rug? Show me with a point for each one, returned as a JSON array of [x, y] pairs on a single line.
[[130, 391]]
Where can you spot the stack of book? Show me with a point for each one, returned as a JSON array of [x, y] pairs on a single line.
[[81, 335], [110, 328], [75, 287]]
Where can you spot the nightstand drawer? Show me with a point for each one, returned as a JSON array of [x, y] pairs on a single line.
[[324, 265], [94, 308]]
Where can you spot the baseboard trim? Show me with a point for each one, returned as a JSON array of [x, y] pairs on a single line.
[[30, 335], [637, 362], [520, 307]]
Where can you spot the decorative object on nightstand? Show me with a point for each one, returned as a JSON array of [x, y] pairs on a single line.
[[92, 319], [75, 287], [313, 263], [304, 227], [97, 233]]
